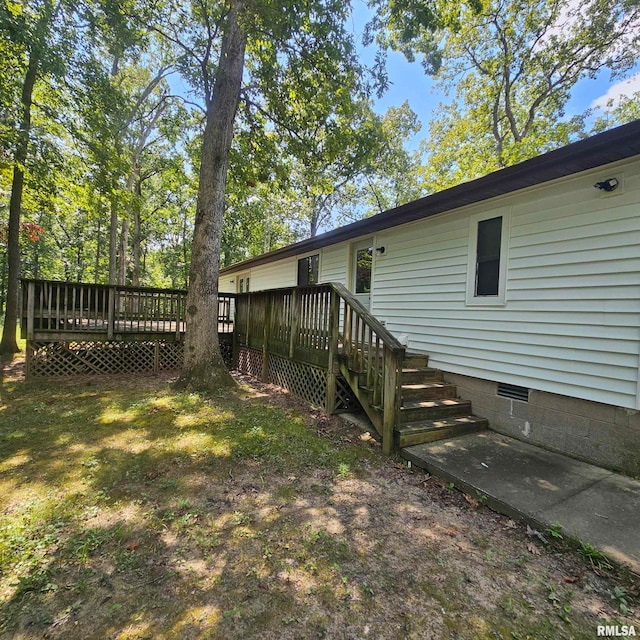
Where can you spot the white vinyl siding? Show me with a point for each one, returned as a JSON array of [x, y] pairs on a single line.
[[334, 263], [275, 275], [571, 323], [227, 283], [266, 276]]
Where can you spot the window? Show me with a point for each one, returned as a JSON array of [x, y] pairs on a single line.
[[242, 283], [364, 262], [488, 257], [308, 270], [487, 268]]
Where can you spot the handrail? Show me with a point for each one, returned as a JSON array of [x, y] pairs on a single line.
[[124, 287], [372, 321]]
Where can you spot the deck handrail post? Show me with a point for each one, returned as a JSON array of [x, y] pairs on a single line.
[[334, 330], [235, 347], [31, 309], [266, 332], [248, 320], [295, 321], [111, 313], [391, 398]]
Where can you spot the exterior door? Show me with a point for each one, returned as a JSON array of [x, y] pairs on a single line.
[[361, 271]]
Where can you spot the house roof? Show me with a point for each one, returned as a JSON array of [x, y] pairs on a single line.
[[616, 144]]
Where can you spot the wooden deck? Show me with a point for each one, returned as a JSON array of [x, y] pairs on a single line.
[[318, 341], [74, 328], [63, 311]]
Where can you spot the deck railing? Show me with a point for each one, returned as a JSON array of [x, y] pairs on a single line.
[[322, 326], [53, 310], [325, 325]]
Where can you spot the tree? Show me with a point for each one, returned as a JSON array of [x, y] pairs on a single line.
[[38, 36], [274, 56], [393, 178], [513, 64], [617, 112]]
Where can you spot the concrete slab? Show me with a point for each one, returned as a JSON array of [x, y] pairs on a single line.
[[607, 516], [593, 505]]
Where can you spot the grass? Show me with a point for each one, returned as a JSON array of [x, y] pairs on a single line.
[[129, 510]]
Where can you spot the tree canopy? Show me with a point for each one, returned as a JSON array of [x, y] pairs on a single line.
[[511, 66], [149, 141]]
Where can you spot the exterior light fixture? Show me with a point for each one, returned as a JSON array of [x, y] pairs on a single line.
[[607, 185], [380, 250]]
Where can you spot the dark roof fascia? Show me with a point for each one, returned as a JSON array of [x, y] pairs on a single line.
[[613, 145]]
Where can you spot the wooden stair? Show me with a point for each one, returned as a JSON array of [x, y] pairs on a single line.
[[430, 409]]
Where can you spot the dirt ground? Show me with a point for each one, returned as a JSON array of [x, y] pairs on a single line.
[[264, 546]]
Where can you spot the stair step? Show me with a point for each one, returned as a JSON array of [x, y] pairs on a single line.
[[418, 375], [428, 391], [408, 435], [416, 360], [413, 411]]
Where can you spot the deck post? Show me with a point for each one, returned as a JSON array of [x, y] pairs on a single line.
[[334, 330], [111, 313], [266, 332], [391, 398], [295, 320], [234, 337], [248, 323], [178, 317], [31, 309]]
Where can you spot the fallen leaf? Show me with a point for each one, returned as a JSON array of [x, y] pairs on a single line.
[[472, 501], [571, 579], [531, 548], [133, 546]]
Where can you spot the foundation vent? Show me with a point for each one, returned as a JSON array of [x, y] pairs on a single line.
[[513, 391]]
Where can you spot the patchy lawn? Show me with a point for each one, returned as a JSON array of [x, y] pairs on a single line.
[[128, 510]]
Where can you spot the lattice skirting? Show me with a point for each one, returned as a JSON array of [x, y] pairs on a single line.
[[226, 349], [304, 380], [346, 401], [54, 359], [250, 361]]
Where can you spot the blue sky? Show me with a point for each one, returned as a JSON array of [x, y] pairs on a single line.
[[409, 82]]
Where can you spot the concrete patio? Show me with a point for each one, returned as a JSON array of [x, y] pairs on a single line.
[[593, 505]]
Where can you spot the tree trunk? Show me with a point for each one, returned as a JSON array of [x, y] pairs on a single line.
[[9, 345], [113, 236], [124, 246], [204, 368], [137, 236], [98, 247]]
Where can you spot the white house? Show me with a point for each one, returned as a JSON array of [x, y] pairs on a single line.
[[523, 286]]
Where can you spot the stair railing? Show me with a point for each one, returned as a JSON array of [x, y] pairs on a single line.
[[375, 357]]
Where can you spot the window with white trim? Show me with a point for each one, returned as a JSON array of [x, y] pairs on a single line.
[[242, 283], [487, 268]]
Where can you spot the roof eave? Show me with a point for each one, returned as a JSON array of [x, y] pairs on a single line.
[[613, 145]]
